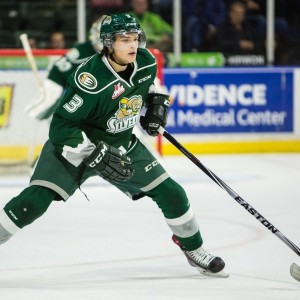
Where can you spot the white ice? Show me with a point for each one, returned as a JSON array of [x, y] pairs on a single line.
[[114, 248]]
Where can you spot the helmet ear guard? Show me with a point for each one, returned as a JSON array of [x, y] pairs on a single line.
[[107, 42]]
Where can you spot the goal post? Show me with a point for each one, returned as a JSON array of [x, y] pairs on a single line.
[[21, 136]]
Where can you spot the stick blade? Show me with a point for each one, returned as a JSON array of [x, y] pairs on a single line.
[[295, 271]]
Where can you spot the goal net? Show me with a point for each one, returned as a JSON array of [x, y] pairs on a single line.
[[21, 138]]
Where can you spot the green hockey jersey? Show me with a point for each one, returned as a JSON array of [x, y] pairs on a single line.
[[66, 64], [99, 105]]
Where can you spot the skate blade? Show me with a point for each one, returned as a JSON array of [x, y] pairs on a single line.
[[220, 274]]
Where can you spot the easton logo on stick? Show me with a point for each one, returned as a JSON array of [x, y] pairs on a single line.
[[257, 215]]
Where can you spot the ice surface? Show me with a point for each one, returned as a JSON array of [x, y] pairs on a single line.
[[115, 248]]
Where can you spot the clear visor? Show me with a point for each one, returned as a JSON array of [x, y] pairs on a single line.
[[127, 34]]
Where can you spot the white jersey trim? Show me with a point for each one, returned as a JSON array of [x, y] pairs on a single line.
[[104, 59], [146, 67], [85, 90]]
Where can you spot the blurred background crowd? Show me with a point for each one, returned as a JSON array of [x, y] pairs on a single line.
[[227, 26]]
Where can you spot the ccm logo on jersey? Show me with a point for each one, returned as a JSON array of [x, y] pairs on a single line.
[[151, 166], [144, 79], [99, 157], [87, 80]]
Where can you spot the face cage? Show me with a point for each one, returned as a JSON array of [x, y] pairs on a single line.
[[109, 39]]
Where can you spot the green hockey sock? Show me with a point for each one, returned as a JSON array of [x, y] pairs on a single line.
[[172, 200], [29, 205]]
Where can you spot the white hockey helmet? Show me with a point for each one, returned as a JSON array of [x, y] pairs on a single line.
[[94, 34]]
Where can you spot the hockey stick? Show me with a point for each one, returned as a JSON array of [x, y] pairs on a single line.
[[30, 58], [295, 269], [33, 66]]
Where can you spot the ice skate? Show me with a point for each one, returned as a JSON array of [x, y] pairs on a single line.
[[204, 262]]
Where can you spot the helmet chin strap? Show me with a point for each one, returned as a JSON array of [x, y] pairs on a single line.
[[114, 60]]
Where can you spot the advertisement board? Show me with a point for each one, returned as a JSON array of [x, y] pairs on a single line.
[[231, 100]]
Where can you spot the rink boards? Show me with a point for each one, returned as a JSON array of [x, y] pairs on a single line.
[[234, 110], [221, 110]]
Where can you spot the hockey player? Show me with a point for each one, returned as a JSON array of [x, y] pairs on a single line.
[[91, 134], [43, 105]]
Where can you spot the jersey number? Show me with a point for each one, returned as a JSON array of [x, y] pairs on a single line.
[[63, 64], [73, 104]]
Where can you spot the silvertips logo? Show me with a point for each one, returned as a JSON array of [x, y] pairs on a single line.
[[87, 80], [126, 116]]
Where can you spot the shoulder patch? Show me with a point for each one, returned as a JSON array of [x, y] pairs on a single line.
[[87, 80], [92, 77]]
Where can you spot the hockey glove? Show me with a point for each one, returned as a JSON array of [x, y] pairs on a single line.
[[156, 115], [110, 163]]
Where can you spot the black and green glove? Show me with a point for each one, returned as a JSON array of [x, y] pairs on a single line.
[[110, 163], [156, 114]]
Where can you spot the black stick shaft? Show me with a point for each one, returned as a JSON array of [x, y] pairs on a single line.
[[230, 191]]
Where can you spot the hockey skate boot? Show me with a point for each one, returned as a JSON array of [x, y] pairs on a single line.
[[205, 263]]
